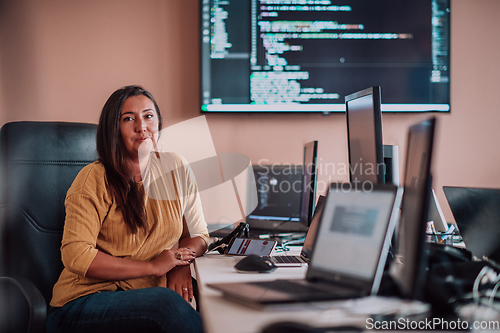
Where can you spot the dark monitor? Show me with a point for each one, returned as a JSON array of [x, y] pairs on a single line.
[[408, 271], [279, 190], [364, 137], [309, 180]]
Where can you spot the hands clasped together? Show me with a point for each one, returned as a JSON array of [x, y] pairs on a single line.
[[168, 259], [175, 263]]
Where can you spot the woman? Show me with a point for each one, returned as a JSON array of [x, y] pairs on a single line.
[[120, 249]]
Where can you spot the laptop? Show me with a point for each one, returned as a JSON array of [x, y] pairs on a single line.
[[278, 199], [285, 194], [305, 253], [477, 214], [348, 257]]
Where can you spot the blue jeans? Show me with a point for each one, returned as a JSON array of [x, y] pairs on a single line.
[[139, 310]]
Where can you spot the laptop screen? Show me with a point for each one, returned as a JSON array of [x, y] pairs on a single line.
[[477, 212], [311, 233], [354, 228], [279, 189]]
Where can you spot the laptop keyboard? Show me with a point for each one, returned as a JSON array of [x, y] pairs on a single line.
[[291, 287], [285, 259]]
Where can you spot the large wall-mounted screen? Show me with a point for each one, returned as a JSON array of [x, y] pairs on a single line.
[[307, 55]]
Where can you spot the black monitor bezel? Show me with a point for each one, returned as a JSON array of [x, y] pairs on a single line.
[[410, 277], [375, 93]]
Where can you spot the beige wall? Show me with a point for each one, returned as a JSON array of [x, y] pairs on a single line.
[[61, 59]]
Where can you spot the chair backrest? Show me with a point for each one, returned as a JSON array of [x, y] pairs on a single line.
[[38, 163]]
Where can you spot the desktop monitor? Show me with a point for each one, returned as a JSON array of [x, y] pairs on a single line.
[[309, 180], [408, 271], [307, 55], [364, 137]]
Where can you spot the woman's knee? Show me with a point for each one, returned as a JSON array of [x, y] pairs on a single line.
[[165, 306]]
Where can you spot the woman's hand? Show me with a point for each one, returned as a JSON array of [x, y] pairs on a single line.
[[179, 279], [168, 259]]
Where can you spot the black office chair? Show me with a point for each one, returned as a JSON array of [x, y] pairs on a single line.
[[38, 163]]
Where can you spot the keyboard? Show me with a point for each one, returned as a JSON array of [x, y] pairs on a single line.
[[286, 287], [285, 259], [298, 288]]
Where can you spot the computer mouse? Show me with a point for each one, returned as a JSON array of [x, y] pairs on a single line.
[[254, 264]]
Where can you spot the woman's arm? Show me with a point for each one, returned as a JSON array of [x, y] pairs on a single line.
[[110, 268], [197, 244]]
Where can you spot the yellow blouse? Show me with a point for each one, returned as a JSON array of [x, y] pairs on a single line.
[[95, 222]]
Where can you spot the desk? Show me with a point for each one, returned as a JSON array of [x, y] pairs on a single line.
[[221, 315]]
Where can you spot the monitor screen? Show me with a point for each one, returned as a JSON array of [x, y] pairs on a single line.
[[279, 190], [364, 137], [307, 55], [409, 273], [309, 179]]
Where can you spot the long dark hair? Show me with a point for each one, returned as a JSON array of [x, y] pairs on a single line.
[[113, 156]]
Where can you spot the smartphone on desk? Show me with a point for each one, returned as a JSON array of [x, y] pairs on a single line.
[[240, 246]]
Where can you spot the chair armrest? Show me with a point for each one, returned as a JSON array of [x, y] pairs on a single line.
[[14, 287]]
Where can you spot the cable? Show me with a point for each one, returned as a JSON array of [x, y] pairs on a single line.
[[475, 286], [284, 245], [475, 290], [494, 291], [295, 241]]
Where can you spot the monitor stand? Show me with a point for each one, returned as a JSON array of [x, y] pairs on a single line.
[[391, 161]]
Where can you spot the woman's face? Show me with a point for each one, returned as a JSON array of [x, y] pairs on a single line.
[[138, 123]]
